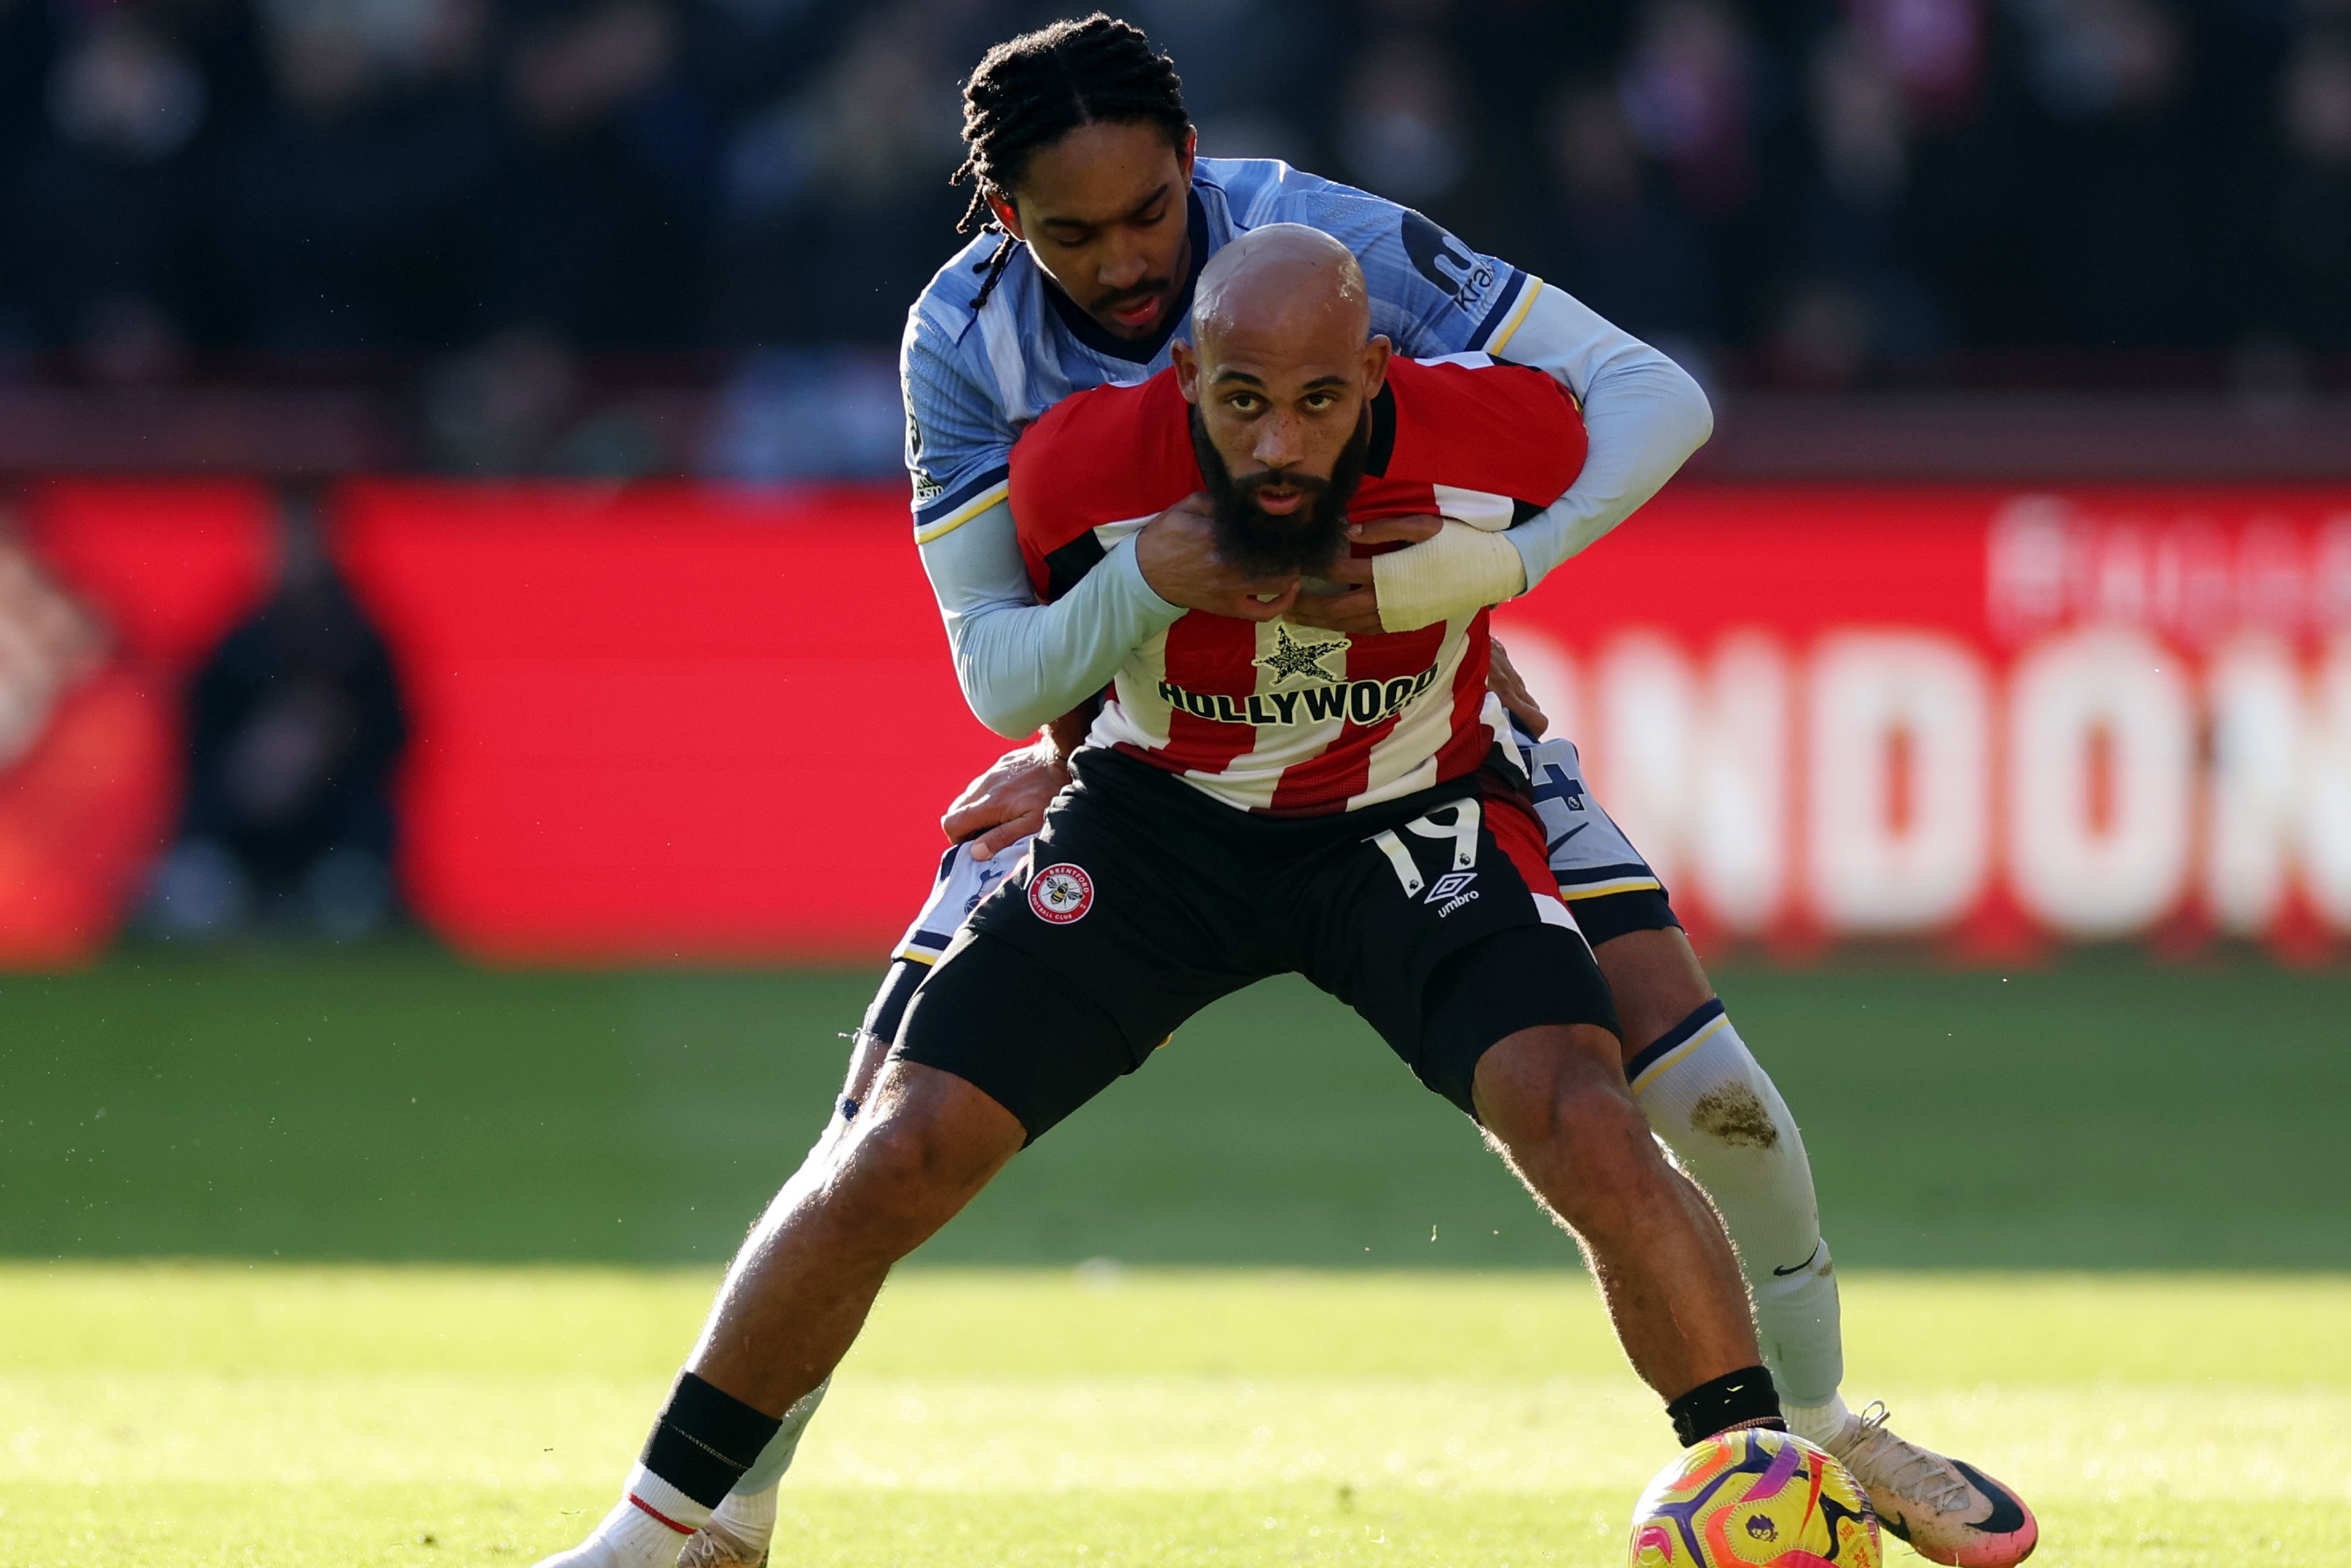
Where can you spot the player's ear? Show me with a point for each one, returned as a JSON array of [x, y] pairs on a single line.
[[1006, 216], [1187, 362], [1188, 152], [1375, 365]]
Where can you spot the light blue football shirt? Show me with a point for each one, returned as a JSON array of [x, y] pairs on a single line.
[[973, 377]]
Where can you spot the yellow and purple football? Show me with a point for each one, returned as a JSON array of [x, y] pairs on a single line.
[[1755, 1499]]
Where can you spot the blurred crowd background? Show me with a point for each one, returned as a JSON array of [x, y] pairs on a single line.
[[494, 206], [299, 240]]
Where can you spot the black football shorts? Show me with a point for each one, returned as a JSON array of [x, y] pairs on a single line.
[[1143, 900]]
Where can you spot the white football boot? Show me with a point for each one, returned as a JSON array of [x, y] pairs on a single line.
[[736, 1535], [1949, 1511]]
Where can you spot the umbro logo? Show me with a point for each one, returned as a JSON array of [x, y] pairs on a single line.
[[1451, 882], [1452, 891]]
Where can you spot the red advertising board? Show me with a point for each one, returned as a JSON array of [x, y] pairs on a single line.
[[670, 721], [665, 721], [109, 594], [1971, 712]]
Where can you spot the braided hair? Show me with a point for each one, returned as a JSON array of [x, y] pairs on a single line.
[[1030, 91]]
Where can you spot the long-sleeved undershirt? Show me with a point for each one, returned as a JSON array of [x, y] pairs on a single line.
[[1023, 664]]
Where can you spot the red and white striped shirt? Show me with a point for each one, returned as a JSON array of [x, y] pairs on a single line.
[[1277, 718]]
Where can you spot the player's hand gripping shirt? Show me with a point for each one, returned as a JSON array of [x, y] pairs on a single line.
[[1272, 717], [976, 373]]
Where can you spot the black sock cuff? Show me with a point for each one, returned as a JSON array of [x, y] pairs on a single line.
[[705, 1439], [1744, 1399]]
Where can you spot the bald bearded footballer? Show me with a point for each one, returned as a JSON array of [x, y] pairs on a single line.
[[1259, 798], [1256, 798]]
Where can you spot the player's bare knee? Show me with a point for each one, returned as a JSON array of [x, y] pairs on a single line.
[[910, 1157], [1567, 1123], [1542, 1090], [929, 1139], [1603, 1144]]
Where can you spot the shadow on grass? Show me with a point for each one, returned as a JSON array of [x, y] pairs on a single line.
[[393, 1103]]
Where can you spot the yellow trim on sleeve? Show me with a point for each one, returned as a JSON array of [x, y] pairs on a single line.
[[915, 956], [965, 513], [1603, 889], [1526, 303]]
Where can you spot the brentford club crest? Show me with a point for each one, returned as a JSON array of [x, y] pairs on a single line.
[[1060, 894]]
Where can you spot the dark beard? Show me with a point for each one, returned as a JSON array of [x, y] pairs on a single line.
[[1252, 540]]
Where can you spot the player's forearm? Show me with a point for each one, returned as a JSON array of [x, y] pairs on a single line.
[[1643, 417], [1023, 664], [1458, 572]]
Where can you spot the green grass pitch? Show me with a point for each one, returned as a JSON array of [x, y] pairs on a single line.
[[266, 1414], [444, 1234], [392, 1103]]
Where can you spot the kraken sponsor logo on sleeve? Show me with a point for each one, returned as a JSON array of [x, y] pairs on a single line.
[[1358, 702], [1446, 262], [927, 489]]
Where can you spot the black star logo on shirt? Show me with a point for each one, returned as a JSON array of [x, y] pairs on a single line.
[[1291, 658]]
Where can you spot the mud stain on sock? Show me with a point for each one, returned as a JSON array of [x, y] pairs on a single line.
[[1733, 1115]]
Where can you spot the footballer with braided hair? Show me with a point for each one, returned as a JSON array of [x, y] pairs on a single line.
[[1101, 219], [1029, 92]]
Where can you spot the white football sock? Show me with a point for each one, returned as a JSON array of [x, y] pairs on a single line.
[[745, 1523], [1714, 1107], [1819, 1425], [646, 1529]]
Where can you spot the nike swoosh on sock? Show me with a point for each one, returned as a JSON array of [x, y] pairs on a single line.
[[1800, 1267]]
